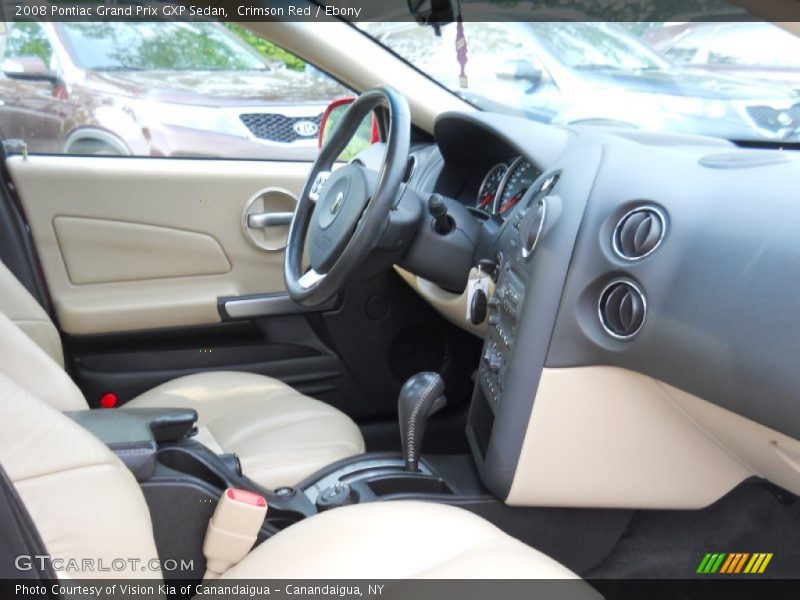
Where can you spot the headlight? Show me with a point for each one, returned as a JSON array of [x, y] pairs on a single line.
[[201, 118]]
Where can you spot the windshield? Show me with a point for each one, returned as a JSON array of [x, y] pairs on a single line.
[[158, 46], [616, 74], [591, 46]]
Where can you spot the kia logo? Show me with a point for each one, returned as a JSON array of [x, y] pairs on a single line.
[[305, 128]]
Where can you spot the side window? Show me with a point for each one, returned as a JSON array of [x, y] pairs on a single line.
[[170, 89], [27, 39]]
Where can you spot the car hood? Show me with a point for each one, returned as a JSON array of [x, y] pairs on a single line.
[[684, 83], [220, 87]]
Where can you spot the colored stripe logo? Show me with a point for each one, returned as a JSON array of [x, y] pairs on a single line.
[[734, 563]]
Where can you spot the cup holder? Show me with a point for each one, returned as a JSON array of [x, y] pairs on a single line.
[[185, 462]]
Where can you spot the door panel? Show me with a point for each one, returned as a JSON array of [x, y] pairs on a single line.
[[132, 244], [154, 275], [128, 250]]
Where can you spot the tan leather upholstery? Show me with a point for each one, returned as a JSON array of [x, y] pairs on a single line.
[[396, 540], [281, 436], [19, 306], [86, 505], [84, 501], [31, 368]]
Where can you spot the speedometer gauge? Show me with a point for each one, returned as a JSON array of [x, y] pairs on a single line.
[[520, 176], [488, 190]]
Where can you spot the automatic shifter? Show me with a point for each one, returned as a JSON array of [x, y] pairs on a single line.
[[422, 396]]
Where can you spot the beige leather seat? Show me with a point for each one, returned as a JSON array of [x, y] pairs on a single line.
[[280, 435], [63, 474]]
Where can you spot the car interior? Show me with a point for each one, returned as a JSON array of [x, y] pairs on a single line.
[[482, 347]]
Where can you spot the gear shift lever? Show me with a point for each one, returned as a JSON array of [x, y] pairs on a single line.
[[422, 395]]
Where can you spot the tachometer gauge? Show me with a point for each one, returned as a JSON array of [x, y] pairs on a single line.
[[488, 190], [520, 176]]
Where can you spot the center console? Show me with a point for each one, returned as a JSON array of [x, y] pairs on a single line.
[[377, 476], [183, 481]]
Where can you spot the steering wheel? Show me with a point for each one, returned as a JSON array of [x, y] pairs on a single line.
[[342, 214]]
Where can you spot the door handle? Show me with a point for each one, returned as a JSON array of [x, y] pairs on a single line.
[[269, 219]]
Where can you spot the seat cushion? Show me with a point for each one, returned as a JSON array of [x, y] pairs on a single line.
[[84, 502], [396, 540], [280, 435]]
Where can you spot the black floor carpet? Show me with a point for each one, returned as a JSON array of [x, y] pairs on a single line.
[[754, 517]]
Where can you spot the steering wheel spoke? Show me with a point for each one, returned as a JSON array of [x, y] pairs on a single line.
[[310, 278], [319, 183]]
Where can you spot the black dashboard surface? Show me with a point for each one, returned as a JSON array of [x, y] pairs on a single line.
[[722, 320]]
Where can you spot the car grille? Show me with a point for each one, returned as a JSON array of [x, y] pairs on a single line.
[[771, 119], [278, 128]]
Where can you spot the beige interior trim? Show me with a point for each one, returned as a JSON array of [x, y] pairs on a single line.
[[105, 251], [768, 453], [161, 196], [452, 307], [338, 48], [607, 437]]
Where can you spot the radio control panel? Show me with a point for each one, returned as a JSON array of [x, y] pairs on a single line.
[[503, 307]]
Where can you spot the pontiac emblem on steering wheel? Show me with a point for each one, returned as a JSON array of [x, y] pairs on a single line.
[[337, 203]]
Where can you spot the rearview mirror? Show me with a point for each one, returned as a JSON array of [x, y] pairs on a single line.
[[29, 68], [366, 134], [431, 12], [519, 70]]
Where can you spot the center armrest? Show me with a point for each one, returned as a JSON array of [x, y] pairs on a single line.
[[133, 434]]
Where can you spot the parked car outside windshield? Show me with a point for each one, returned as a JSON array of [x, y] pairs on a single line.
[[754, 50], [157, 89], [571, 72]]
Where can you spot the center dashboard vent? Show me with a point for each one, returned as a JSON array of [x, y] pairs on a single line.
[[622, 309], [639, 233]]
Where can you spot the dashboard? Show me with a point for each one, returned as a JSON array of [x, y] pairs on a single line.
[[652, 273]]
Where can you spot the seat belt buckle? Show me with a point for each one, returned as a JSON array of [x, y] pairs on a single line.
[[233, 529]]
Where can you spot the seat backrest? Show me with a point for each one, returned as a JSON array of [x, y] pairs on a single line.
[[32, 369], [18, 305], [85, 503]]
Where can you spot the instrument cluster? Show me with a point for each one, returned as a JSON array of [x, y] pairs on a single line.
[[504, 185]]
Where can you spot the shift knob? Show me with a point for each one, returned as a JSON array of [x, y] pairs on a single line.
[[421, 396]]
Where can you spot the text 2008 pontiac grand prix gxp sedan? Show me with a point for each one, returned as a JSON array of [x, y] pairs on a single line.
[[584, 337]]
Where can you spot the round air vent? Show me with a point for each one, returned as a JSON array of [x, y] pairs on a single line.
[[622, 309], [639, 233]]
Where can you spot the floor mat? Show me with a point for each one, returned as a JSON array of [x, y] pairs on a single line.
[[754, 517]]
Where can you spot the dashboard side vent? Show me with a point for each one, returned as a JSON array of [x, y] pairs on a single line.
[[639, 233], [622, 309]]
